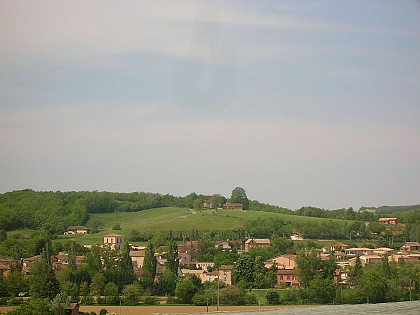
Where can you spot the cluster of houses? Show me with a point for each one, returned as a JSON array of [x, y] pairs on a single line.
[[208, 204], [345, 256], [287, 274]]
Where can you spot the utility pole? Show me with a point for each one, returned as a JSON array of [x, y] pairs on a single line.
[[218, 293]]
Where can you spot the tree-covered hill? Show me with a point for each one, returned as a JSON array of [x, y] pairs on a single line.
[[392, 209], [55, 211]]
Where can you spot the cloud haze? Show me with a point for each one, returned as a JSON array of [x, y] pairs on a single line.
[[299, 103]]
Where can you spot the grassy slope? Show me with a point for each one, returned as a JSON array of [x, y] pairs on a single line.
[[179, 219]]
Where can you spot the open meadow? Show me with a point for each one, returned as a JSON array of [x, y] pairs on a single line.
[[180, 219]]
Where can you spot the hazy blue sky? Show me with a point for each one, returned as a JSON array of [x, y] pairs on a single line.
[[298, 102]]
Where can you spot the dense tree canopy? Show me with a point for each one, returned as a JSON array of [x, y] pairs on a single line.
[[239, 196]]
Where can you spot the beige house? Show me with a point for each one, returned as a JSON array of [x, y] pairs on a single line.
[[225, 245], [358, 251], [199, 273], [411, 246], [256, 242], [76, 229], [296, 237], [366, 259], [233, 206], [137, 257], [393, 221], [225, 274], [338, 247], [115, 241], [205, 265], [383, 251], [282, 262]]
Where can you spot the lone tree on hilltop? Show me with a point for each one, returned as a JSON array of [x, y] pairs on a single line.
[[239, 196]]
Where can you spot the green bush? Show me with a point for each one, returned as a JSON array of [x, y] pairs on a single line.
[[3, 300], [87, 300], [251, 299], [15, 301], [151, 300], [232, 295], [199, 299], [291, 297], [116, 226], [273, 297], [352, 296]]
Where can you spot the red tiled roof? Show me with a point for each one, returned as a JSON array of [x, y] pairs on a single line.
[[226, 267]]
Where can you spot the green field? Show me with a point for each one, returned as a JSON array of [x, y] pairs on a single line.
[[179, 219]]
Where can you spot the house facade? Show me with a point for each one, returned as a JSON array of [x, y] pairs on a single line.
[[288, 278], [411, 246], [225, 274], [358, 251], [225, 245], [233, 206], [338, 247], [115, 241], [366, 259], [256, 242], [282, 262], [76, 229], [187, 247], [137, 258], [393, 221]]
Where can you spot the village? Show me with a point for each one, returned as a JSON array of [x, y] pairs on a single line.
[[286, 266]]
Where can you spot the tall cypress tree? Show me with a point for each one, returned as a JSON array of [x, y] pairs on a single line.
[[125, 267], [50, 286], [149, 267], [72, 257], [17, 262], [172, 257]]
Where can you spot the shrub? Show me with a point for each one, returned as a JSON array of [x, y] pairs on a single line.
[[251, 299], [87, 300], [199, 299], [291, 297], [116, 226], [103, 311], [353, 296], [15, 301], [232, 295], [3, 300], [151, 300], [273, 297]]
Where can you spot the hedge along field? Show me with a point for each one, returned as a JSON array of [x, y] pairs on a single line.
[[181, 219]]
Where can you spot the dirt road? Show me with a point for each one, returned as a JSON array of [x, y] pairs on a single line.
[[146, 310]]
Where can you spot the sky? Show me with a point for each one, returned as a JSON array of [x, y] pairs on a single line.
[[301, 103]]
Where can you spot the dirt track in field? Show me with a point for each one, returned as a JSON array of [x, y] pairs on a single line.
[[146, 310]]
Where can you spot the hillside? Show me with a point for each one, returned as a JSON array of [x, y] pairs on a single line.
[[143, 216], [395, 210], [163, 220]]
